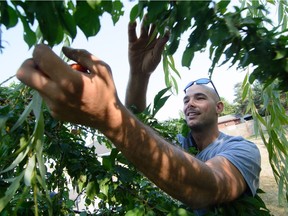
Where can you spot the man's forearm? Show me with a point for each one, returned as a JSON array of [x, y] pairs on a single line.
[[136, 92]]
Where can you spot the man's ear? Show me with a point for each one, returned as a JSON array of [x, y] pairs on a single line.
[[219, 107]]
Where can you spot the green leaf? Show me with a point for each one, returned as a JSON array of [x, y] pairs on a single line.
[[11, 191], [171, 63], [104, 186], [137, 211], [160, 94], [160, 104], [124, 174], [95, 4], [173, 46], [68, 22], [87, 19], [28, 176], [29, 35], [280, 188], [245, 91], [81, 182], [49, 21], [159, 100], [8, 16], [277, 143], [219, 33], [117, 11], [19, 157], [165, 64], [155, 8], [180, 212], [3, 120], [108, 162], [37, 110], [92, 189], [24, 115], [134, 13], [280, 54], [222, 6], [187, 57], [175, 84], [39, 156], [285, 23], [218, 53], [280, 12]]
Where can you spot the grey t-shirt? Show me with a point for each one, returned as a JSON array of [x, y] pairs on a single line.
[[243, 154]]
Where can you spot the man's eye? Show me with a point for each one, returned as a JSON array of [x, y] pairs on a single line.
[[200, 98], [185, 101]]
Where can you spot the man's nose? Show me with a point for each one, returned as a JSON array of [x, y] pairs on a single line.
[[191, 103]]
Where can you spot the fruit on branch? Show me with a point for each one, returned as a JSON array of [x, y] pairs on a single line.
[[79, 67]]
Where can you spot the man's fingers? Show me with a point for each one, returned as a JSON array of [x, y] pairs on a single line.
[[81, 56], [86, 59], [30, 75], [159, 47], [144, 28], [50, 64], [132, 36], [77, 55]]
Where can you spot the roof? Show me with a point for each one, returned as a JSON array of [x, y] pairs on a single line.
[[227, 118]]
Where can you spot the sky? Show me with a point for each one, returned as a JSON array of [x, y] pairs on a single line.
[[111, 45]]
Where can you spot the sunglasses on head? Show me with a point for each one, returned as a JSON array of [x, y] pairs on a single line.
[[202, 81]]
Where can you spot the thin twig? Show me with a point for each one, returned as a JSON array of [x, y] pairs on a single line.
[[11, 77]]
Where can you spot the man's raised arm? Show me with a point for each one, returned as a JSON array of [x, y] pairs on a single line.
[[144, 56]]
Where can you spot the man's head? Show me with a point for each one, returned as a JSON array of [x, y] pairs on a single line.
[[202, 106]]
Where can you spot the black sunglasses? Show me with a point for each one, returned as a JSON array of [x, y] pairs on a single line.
[[202, 81]]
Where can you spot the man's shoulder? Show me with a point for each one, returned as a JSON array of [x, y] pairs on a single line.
[[236, 145], [235, 140]]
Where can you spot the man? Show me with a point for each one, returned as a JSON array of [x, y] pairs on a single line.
[[91, 99], [202, 106]]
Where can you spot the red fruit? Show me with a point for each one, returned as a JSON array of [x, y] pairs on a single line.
[[79, 67]]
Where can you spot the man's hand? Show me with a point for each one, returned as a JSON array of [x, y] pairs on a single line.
[[82, 98], [145, 52]]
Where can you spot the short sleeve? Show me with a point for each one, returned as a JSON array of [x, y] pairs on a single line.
[[245, 156]]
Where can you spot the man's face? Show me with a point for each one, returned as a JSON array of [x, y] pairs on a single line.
[[201, 107]]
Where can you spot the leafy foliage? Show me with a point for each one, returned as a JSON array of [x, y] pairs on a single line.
[[109, 180], [30, 139], [242, 39], [57, 18], [272, 127]]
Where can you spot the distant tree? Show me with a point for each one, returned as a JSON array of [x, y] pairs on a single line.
[[228, 107], [242, 103]]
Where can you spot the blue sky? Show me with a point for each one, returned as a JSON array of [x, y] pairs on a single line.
[[111, 46]]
